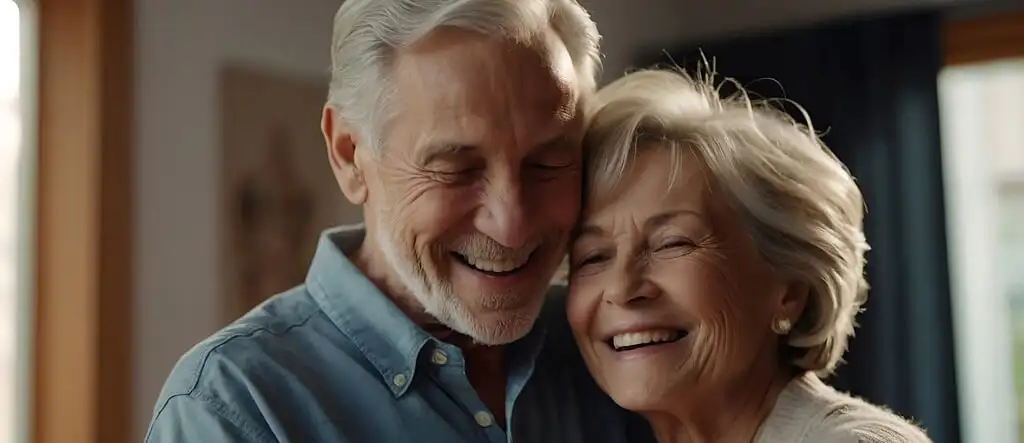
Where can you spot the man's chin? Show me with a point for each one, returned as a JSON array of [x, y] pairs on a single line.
[[496, 309], [493, 326], [497, 332]]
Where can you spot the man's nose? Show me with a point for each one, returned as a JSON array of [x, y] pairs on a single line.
[[502, 216]]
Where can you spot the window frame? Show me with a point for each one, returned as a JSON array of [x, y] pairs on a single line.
[[24, 318]]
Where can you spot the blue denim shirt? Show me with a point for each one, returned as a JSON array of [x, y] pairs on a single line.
[[335, 361]]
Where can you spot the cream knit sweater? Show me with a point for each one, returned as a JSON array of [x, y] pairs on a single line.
[[809, 411]]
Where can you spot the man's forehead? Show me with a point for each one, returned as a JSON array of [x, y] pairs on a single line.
[[456, 69]]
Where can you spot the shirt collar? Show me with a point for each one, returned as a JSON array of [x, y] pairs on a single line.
[[382, 332], [388, 339]]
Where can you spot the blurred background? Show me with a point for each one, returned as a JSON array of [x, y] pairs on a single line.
[[142, 141]]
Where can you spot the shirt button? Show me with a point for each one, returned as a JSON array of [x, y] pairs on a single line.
[[439, 357], [484, 419], [399, 380]]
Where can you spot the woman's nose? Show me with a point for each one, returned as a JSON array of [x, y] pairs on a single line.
[[630, 285]]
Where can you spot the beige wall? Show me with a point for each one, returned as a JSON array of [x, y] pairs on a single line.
[[181, 45]]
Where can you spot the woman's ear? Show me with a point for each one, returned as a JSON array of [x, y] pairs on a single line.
[[342, 141], [794, 300]]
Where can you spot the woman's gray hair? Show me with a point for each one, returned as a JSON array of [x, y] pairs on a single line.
[[800, 204], [367, 33]]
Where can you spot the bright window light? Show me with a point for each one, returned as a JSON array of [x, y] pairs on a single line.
[[10, 150], [983, 148]]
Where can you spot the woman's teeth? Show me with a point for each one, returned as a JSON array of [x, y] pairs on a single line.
[[634, 340]]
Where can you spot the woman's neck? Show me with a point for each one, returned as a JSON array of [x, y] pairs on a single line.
[[732, 416]]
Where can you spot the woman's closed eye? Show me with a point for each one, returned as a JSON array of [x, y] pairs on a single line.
[[589, 260], [594, 259], [674, 247]]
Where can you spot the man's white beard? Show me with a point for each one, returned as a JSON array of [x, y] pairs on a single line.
[[439, 300]]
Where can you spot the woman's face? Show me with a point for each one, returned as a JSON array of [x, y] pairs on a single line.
[[669, 300]]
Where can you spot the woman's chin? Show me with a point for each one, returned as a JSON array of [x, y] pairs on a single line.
[[643, 379], [642, 399], [645, 393]]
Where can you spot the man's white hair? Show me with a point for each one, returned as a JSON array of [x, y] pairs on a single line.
[[368, 32], [800, 204]]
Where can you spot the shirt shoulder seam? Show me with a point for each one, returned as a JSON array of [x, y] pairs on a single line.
[[204, 360], [197, 374], [220, 409], [193, 388]]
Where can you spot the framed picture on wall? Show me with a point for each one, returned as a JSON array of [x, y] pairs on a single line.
[[278, 192]]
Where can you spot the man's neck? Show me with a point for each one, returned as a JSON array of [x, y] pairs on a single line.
[[368, 259]]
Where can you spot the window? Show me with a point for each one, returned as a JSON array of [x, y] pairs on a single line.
[[983, 142], [13, 316]]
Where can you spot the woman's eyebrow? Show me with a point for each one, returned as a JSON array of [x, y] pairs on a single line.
[[587, 230], [652, 223], [666, 217]]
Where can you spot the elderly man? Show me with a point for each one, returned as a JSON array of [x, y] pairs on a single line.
[[456, 125]]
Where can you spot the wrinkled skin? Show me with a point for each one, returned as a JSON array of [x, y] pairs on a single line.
[[659, 257], [483, 128]]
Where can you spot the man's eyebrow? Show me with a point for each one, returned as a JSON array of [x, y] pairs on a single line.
[[560, 141], [438, 150]]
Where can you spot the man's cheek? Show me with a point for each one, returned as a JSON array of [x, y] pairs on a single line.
[[564, 210]]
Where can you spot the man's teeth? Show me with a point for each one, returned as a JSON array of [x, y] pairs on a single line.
[[635, 339], [510, 264]]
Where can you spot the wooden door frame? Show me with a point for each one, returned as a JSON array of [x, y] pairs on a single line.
[[81, 365], [984, 38]]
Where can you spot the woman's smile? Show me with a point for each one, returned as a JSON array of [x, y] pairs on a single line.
[[718, 262]]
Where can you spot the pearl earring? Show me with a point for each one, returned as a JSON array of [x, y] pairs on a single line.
[[782, 326]]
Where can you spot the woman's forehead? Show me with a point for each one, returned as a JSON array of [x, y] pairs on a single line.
[[654, 177]]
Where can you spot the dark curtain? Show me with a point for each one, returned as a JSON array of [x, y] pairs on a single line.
[[871, 84]]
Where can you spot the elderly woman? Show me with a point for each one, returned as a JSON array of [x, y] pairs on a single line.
[[718, 268]]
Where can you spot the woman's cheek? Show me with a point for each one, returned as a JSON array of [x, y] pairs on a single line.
[[580, 306]]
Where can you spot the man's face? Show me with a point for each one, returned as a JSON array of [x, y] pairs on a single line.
[[477, 187]]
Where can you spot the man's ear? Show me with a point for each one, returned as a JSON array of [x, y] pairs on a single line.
[[342, 142]]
